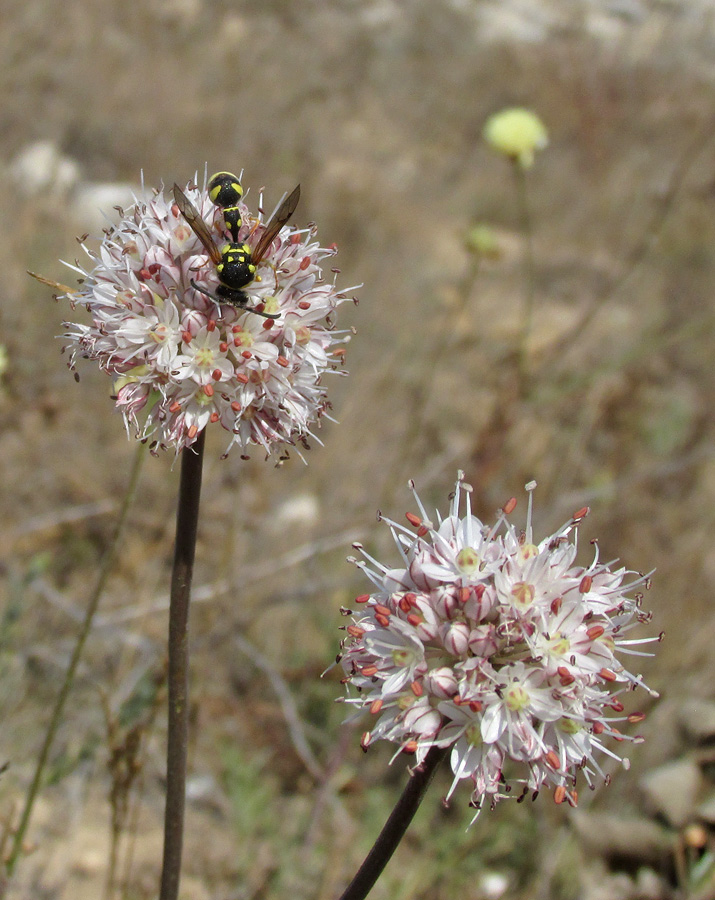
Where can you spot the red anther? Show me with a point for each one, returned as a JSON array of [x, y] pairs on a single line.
[[365, 740], [556, 604], [464, 594], [595, 631], [598, 727], [215, 417], [186, 337], [573, 798], [422, 531], [223, 347], [217, 374], [304, 263], [636, 717], [246, 354], [211, 325], [333, 247], [154, 268], [616, 706], [208, 389], [607, 675], [565, 677], [559, 794], [411, 598], [304, 304], [175, 211], [410, 747], [475, 705], [193, 431], [341, 351], [375, 707], [415, 620], [236, 406], [175, 407], [404, 604], [368, 671], [363, 598], [509, 506], [413, 519], [144, 274], [295, 238], [268, 324], [242, 377], [616, 735], [479, 590], [355, 630], [382, 620], [282, 361], [552, 759], [585, 585], [417, 689], [581, 513], [383, 610], [236, 329]]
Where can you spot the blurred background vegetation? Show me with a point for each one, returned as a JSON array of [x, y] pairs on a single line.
[[376, 108]]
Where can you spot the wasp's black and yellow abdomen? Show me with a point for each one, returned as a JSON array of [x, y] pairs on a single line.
[[235, 269], [225, 189]]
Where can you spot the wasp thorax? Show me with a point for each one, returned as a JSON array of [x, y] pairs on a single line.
[[236, 268], [224, 189]]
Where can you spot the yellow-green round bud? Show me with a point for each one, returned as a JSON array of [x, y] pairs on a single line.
[[516, 133], [481, 241]]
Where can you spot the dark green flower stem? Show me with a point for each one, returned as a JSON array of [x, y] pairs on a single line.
[[395, 827], [187, 519], [106, 566]]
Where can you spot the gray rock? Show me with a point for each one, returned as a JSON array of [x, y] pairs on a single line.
[[623, 838], [697, 719], [673, 790]]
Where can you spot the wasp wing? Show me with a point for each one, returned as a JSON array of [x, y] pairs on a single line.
[[278, 220], [197, 224]]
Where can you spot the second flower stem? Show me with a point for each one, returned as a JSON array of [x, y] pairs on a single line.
[[394, 829], [187, 519]]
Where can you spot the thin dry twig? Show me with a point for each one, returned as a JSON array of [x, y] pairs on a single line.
[[296, 731]]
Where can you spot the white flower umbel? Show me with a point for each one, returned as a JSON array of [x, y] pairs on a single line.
[[498, 647], [180, 360]]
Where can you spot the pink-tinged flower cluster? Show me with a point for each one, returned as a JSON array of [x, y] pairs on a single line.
[[180, 360], [497, 647]]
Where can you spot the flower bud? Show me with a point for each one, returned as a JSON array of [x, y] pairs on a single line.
[[441, 682], [516, 133], [456, 638]]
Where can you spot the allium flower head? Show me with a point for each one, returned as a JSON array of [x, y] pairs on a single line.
[[498, 647], [517, 133], [179, 359]]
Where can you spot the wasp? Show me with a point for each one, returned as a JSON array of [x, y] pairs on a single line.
[[235, 262]]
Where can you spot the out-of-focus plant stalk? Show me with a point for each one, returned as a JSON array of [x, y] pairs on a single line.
[[529, 269], [187, 519], [105, 568]]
